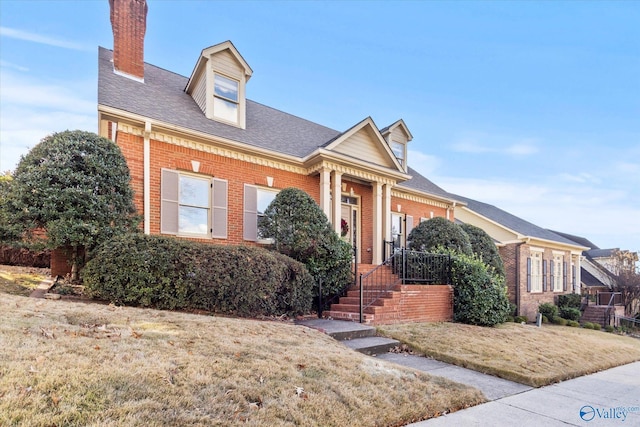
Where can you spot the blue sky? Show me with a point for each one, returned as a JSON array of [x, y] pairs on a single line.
[[531, 106]]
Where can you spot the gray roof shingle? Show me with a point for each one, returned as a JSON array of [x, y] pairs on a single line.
[[513, 222]]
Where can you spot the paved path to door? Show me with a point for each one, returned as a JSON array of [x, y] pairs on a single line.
[[607, 398]]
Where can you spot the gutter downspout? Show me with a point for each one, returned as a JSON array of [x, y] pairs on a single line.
[[147, 177]]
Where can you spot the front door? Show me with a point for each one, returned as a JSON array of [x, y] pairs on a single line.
[[350, 222]]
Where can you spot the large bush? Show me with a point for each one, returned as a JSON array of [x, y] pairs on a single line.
[[438, 233], [570, 300], [484, 247], [548, 310], [74, 186], [480, 297], [169, 273], [569, 313], [302, 231]]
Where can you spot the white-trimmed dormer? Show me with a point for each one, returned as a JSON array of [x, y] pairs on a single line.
[[218, 83], [397, 136]]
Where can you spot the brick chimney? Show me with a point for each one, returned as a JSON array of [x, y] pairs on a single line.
[[129, 23]]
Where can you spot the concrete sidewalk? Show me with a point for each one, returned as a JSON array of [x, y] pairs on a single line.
[[606, 398]]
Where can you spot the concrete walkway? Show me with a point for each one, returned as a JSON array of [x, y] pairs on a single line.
[[42, 288], [607, 398]]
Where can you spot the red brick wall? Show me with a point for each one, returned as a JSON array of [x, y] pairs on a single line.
[[515, 257], [59, 264], [420, 303]]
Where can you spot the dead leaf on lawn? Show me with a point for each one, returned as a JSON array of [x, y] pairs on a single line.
[[135, 334], [55, 399], [47, 334], [96, 347], [33, 370]]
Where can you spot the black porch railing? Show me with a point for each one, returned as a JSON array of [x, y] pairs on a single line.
[[401, 268]]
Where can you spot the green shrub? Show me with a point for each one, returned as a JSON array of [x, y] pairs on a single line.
[[301, 230], [545, 319], [596, 326], [510, 319], [573, 323], [484, 248], [569, 313], [548, 310], [170, 273], [438, 233], [570, 301], [587, 325], [559, 321], [480, 298], [521, 319], [609, 328]]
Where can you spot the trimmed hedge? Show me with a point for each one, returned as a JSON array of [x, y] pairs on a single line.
[[169, 273], [569, 313], [548, 310], [437, 233], [479, 297]]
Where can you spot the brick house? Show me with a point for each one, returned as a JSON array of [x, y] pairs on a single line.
[[539, 264], [206, 161]]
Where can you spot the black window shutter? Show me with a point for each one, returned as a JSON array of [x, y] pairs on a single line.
[[544, 275], [528, 275], [564, 276]]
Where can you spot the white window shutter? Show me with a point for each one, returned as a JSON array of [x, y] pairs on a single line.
[[170, 181], [219, 208], [250, 223]]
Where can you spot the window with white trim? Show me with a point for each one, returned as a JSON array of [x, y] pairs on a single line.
[[556, 274], [225, 98], [536, 272], [193, 205], [256, 201], [398, 149]]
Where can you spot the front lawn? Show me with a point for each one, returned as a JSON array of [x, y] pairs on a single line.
[[21, 280], [523, 353], [69, 363]]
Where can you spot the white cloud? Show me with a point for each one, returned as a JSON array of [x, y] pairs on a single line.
[[31, 110], [13, 66], [522, 149], [426, 164], [41, 39], [479, 142]]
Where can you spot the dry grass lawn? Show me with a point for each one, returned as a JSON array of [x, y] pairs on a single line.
[[69, 363], [21, 280], [522, 353]]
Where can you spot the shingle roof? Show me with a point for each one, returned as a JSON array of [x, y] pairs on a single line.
[[599, 253], [161, 97], [583, 241], [420, 183], [589, 279], [513, 222]]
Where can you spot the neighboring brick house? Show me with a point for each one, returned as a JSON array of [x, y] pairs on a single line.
[[539, 264], [205, 160]]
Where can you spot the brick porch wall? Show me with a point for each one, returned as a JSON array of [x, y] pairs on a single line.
[[420, 303]]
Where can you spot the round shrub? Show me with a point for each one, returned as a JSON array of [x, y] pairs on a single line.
[[609, 328], [438, 233], [587, 325], [596, 326], [170, 273], [520, 319], [548, 310], [570, 300], [480, 298], [569, 313], [559, 321], [484, 248], [573, 323], [301, 230]]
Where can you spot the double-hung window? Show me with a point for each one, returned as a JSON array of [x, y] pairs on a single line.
[[398, 149], [557, 273], [193, 205], [256, 201], [225, 98], [535, 272]]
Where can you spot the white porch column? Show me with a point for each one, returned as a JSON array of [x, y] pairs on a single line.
[[386, 211], [376, 251], [336, 188], [325, 192], [146, 154]]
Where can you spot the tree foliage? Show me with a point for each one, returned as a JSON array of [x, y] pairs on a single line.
[[439, 233], [74, 187], [302, 231], [483, 246], [627, 279], [9, 230]]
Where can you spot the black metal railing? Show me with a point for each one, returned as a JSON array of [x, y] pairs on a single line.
[[606, 298], [324, 302], [403, 267]]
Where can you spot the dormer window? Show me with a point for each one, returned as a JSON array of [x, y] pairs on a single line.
[[398, 149], [225, 98]]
